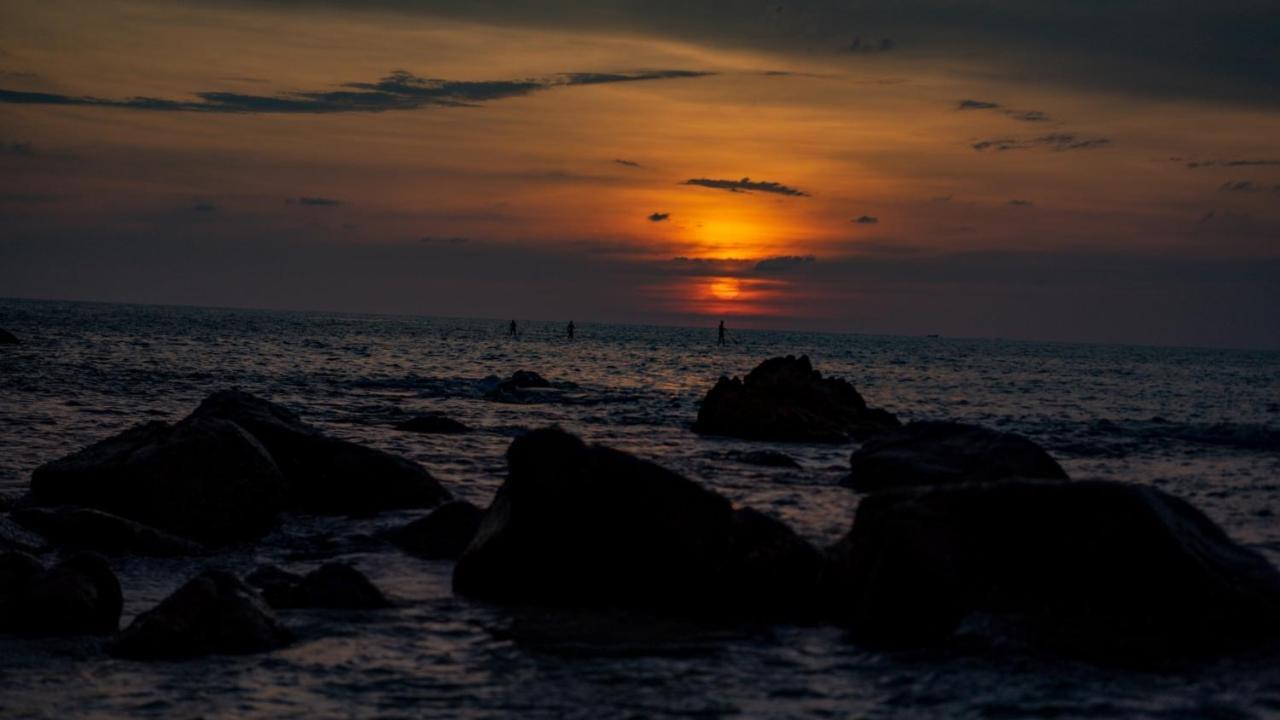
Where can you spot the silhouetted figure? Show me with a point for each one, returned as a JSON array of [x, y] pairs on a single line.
[[722, 332], [570, 330], [512, 331]]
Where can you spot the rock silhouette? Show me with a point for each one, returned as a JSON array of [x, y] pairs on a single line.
[[433, 423], [214, 613], [1100, 569], [89, 529], [442, 535], [203, 478], [15, 537], [935, 453], [79, 596], [8, 338], [785, 399]]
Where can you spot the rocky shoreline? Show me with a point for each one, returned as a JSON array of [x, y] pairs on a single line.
[[961, 528]]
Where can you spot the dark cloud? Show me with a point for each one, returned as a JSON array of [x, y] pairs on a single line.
[[976, 105], [1023, 115], [628, 163], [783, 264], [858, 45], [1248, 186], [204, 207], [1027, 115], [1059, 142], [1021, 203], [401, 90], [747, 185], [1232, 163], [21, 149], [866, 220], [659, 217], [317, 201], [432, 240]]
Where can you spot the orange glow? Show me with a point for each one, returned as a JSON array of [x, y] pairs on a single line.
[[724, 288]]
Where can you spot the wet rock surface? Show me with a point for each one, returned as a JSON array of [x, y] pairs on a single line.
[[89, 529], [936, 453], [433, 423], [785, 399], [332, 585], [442, 535]]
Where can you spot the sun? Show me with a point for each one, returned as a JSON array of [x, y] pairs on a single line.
[[725, 288]]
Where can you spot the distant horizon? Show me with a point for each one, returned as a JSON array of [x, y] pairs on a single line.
[[709, 326]]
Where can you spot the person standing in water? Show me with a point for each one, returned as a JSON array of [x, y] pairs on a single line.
[[722, 332], [570, 330], [512, 330]]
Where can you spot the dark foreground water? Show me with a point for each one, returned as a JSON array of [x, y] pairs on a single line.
[[1202, 424]]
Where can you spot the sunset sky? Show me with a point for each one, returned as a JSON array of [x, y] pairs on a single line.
[[1098, 171]]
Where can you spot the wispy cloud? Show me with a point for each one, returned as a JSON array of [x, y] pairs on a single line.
[[1248, 186], [1059, 142], [865, 220], [1023, 115], [1231, 163], [400, 90], [317, 201], [628, 163], [747, 185], [659, 217], [783, 264], [1021, 203]]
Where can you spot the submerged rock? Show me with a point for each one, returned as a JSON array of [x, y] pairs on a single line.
[[433, 423], [8, 338], [203, 478], [321, 473], [332, 585], [442, 535], [1095, 568], [89, 529], [785, 399], [212, 614], [526, 386], [936, 453], [588, 525], [79, 596]]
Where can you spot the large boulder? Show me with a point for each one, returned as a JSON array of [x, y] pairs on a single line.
[[215, 613], [936, 453], [15, 537], [325, 474], [785, 399], [79, 596], [332, 585], [7, 338], [89, 529], [771, 570], [442, 535], [203, 478], [1102, 569], [579, 525]]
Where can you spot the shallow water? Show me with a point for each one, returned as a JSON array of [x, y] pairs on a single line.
[[1202, 424]]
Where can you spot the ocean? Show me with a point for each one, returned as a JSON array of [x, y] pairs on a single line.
[[1202, 424]]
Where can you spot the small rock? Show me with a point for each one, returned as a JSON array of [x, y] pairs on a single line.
[[215, 613], [442, 535], [13, 536], [332, 585], [279, 587], [79, 596]]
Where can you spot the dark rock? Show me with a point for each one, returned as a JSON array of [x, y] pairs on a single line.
[[935, 453], [442, 535], [13, 536], [1101, 569], [767, 458], [785, 399], [433, 423], [324, 474], [771, 570], [525, 386], [17, 570], [579, 525], [527, 379], [79, 596], [332, 585], [88, 529], [215, 613], [203, 478], [7, 338]]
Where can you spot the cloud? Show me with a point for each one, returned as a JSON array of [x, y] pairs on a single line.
[[976, 105], [865, 220], [1023, 115], [316, 201], [628, 163], [1248, 186], [400, 90], [1027, 115], [857, 45], [783, 264], [747, 185], [204, 207], [1059, 142], [659, 217], [1021, 203], [431, 240], [20, 149], [1232, 163]]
